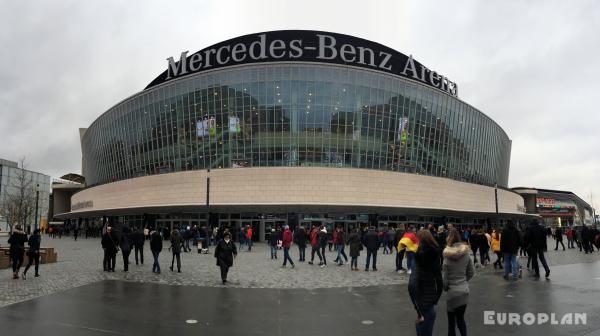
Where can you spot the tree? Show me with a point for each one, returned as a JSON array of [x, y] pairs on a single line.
[[19, 201]]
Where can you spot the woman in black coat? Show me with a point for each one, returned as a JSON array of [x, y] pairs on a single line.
[[17, 249], [355, 247], [425, 285], [225, 252], [35, 241]]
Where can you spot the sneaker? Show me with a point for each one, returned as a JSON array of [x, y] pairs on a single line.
[[323, 265], [547, 274], [37, 275], [409, 272]]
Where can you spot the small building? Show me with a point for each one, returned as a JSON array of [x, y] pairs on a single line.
[[557, 207]]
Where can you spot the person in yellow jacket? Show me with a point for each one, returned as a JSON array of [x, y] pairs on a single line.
[[496, 248]]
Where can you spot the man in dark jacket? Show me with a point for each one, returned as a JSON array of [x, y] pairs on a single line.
[[138, 245], [17, 242], [509, 245], [371, 242], [300, 240], [536, 239], [109, 244], [156, 247], [558, 235]]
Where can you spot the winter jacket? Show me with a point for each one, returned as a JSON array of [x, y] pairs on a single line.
[[126, 241], [35, 241], [371, 240], [286, 242], [535, 237], [355, 244], [17, 242], [138, 238], [109, 242], [339, 238], [249, 234], [425, 284], [224, 252], [176, 240], [155, 242], [322, 237], [495, 242], [273, 239], [510, 241], [314, 241], [300, 237], [456, 271]]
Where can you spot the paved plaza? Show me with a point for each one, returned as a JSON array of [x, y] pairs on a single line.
[[75, 297]]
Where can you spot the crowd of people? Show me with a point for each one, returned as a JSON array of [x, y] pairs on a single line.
[[437, 259]]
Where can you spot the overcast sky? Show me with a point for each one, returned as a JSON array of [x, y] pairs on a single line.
[[532, 66]]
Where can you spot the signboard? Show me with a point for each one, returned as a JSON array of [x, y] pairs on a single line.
[[304, 46], [206, 127]]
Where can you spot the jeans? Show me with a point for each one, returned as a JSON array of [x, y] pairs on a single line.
[[178, 256], [33, 258], [301, 253], [16, 260], [457, 319], [371, 253], [249, 241], [126, 260], [273, 252], [399, 258], [286, 256], [340, 254], [483, 256], [140, 249], [425, 328], [186, 245], [323, 254], [511, 263], [410, 259], [156, 265], [535, 254], [312, 254]]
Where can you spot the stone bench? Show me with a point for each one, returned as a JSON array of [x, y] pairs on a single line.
[[47, 255]]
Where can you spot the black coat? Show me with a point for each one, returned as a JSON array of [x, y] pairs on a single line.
[[300, 237], [425, 284], [17, 242], [371, 240], [535, 237], [156, 242], [109, 242], [510, 240], [138, 238], [224, 252], [126, 242], [355, 244], [34, 244]]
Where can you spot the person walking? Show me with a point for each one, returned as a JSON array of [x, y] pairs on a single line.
[[33, 254], [558, 236], [126, 242], [273, 244], [16, 251], [225, 252], [323, 241], [242, 238], [300, 240], [76, 232], [155, 247], [426, 284], [495, 246], [286, 243], [569, 234], [457, 270], [371, 242], [509, 245], [109, 244], [355, 247], [249, 238], [138, 245], [410, 243], [176, 243], [340, 243], [399, 252], [315, 246], [441, 237], [536, 238]]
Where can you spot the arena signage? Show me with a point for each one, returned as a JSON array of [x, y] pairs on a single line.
[[303, 46]]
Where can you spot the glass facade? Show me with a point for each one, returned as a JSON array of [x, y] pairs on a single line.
[[295, 114]]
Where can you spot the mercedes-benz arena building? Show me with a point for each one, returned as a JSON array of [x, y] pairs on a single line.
[[296, 127]]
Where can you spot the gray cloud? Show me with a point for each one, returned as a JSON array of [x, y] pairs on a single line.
[[531, 66]]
